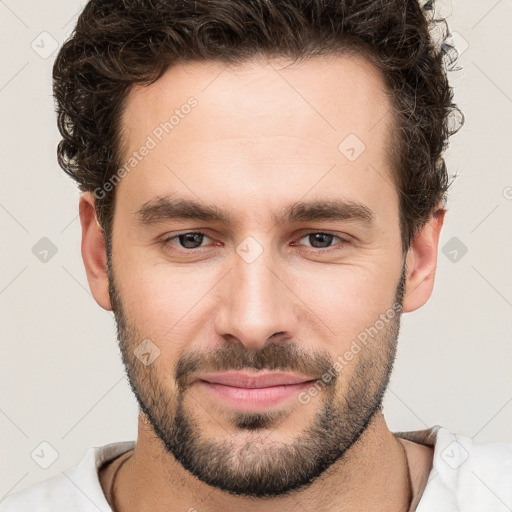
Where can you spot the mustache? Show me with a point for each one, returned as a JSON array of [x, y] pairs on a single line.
[[286, 357]]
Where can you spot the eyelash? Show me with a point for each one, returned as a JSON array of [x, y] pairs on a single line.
[[167, 242]]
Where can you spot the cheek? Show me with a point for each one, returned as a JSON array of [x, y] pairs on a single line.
[[165, 303], [347, 300]]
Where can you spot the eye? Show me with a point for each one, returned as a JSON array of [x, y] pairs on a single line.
[[188, 240], [323, 240]]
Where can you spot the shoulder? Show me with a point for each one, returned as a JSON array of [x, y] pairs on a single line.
[[54, 493], [77, 488], [468, 475]]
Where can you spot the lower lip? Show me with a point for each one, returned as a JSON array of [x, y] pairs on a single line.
[[254, 398]]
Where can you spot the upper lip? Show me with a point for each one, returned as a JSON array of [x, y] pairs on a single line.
[[253, 380]]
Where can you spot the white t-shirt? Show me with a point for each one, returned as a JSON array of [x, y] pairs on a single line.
[[466, 476]]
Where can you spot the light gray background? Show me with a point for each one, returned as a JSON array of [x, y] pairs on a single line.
[[61, 379]]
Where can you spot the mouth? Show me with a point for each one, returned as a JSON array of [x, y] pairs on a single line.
[[254, 391]]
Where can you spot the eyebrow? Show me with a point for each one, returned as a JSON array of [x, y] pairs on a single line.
[[160, 209]]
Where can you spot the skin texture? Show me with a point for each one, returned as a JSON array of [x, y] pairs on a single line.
[[262, 136]]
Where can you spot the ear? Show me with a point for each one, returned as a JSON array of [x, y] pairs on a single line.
[[93, 251], [421, 263]]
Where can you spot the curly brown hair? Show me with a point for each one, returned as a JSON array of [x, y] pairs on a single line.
[[119, 43]]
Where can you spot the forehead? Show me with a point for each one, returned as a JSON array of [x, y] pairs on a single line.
[[266, 128], [329, 92]]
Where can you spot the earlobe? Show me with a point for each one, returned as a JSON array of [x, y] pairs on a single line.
[[93, 251], [421, 263]]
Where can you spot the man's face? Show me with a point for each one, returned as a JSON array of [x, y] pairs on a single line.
[[266, 292]]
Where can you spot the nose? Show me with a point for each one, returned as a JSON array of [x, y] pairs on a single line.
[[255, 304]]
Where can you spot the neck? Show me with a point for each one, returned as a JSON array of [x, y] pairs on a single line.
[[373, 475]]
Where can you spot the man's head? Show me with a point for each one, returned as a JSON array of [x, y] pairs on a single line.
[[268, 178]]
